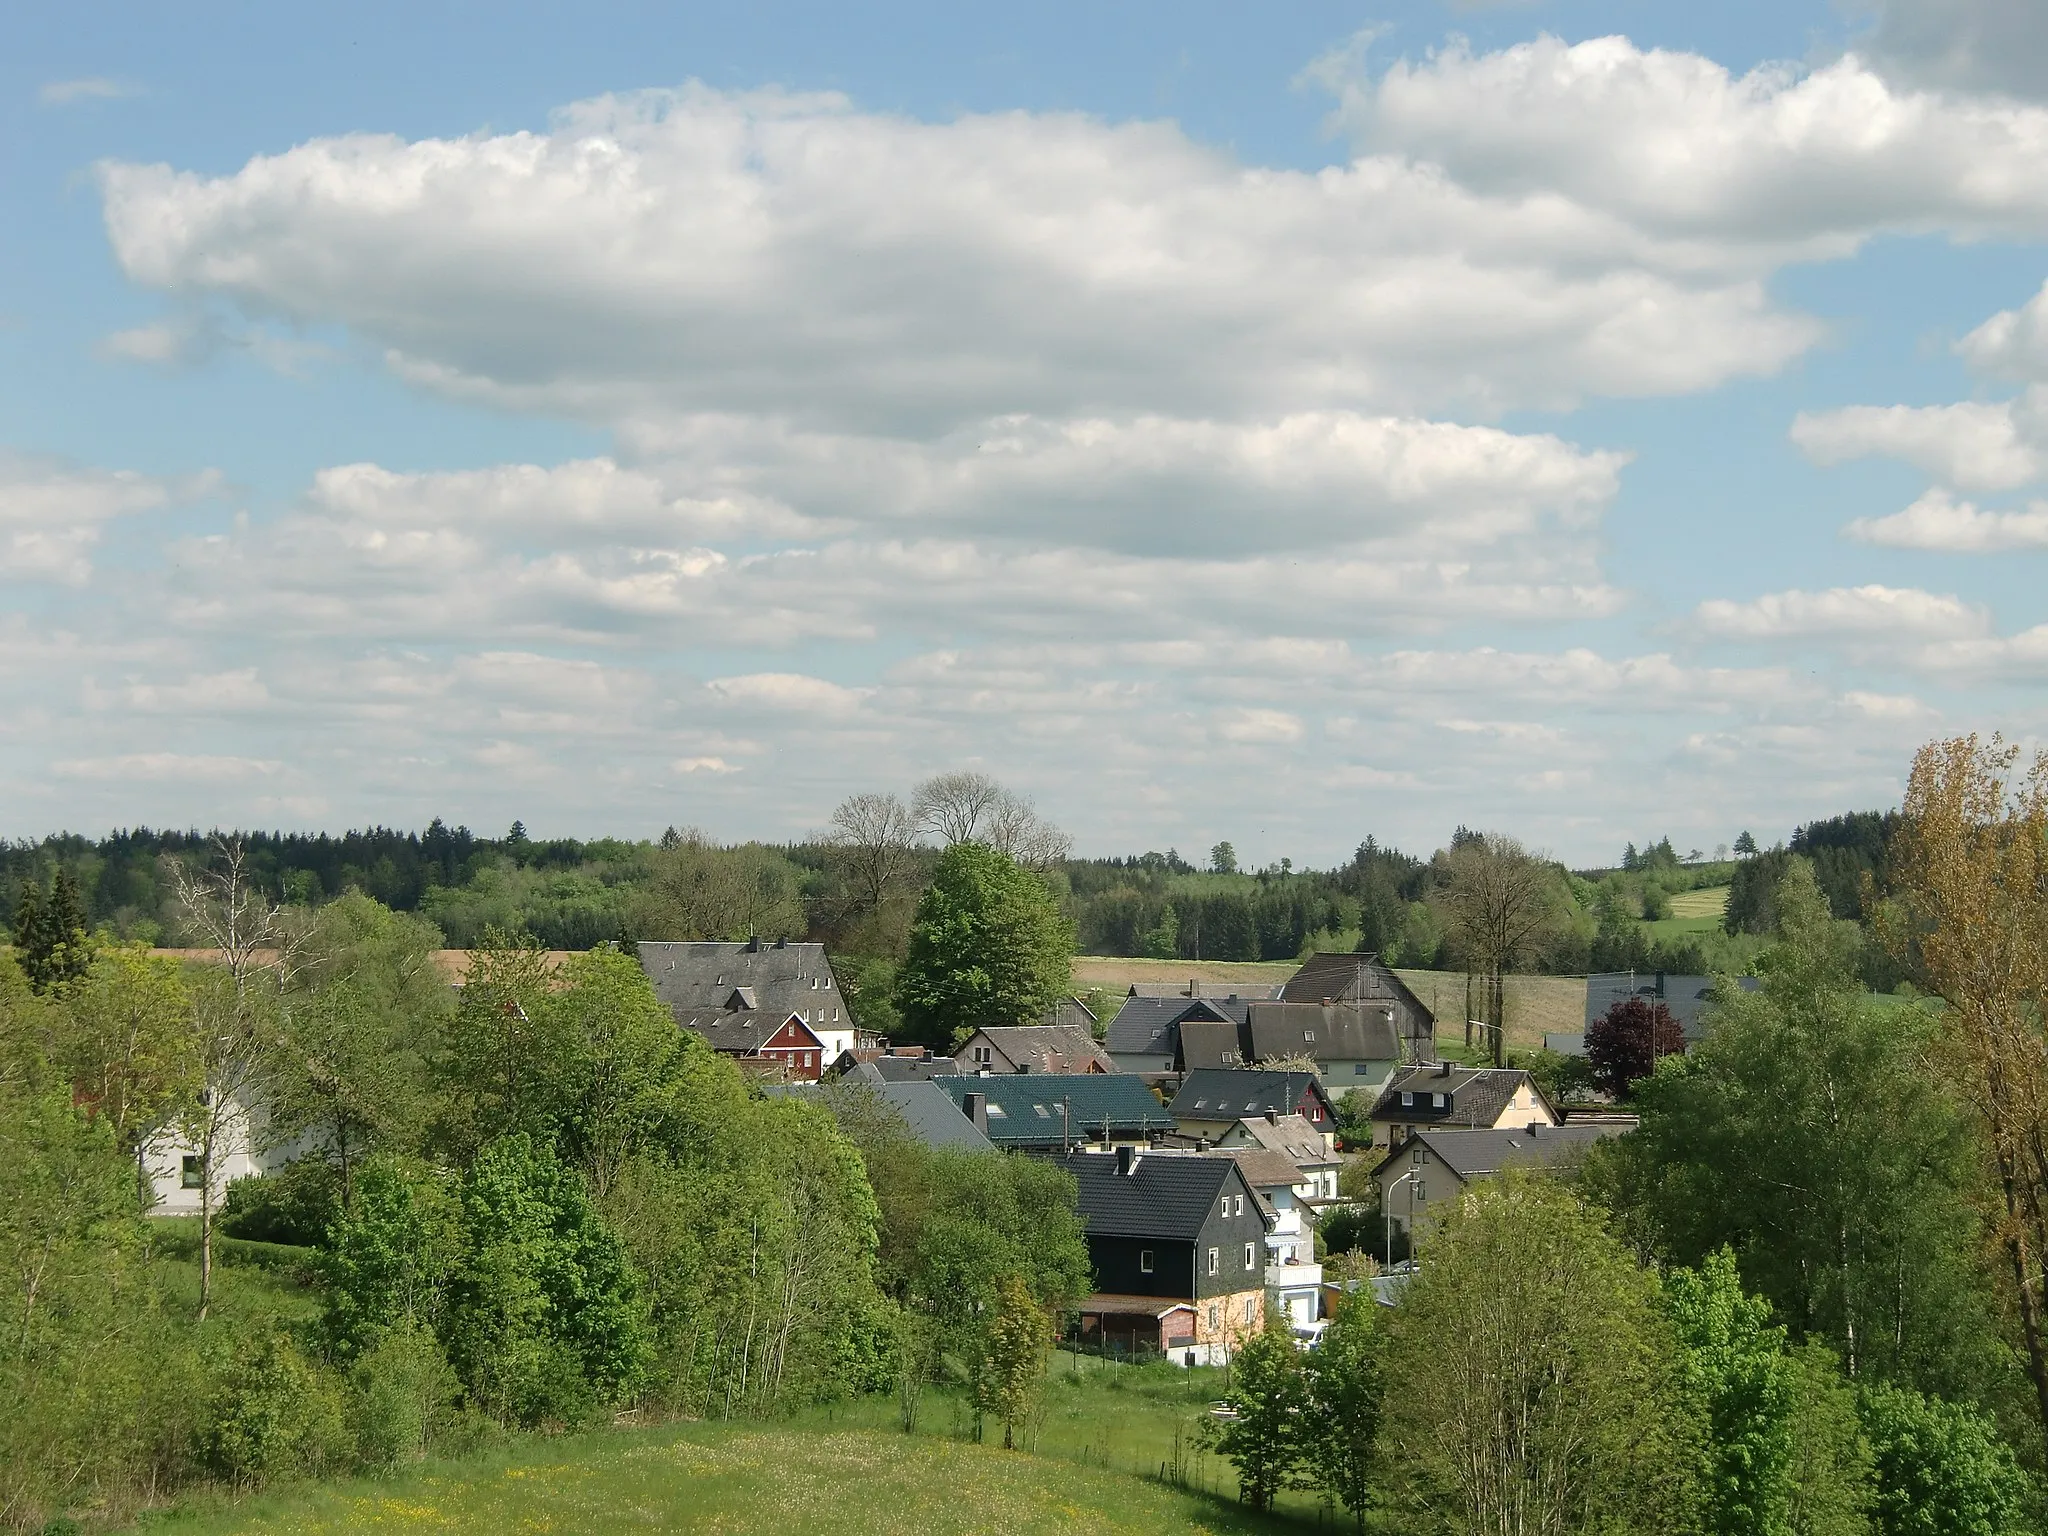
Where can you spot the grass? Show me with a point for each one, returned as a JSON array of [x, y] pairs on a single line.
[[1116, 971], [1536, 1005], [1711, 902], [1099, 1446]]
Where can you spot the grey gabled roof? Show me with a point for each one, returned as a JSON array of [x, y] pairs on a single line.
[[739, 1034], [1289, 1135], [1686, 997], [1474, 1154], [701, 975], [933, 1117], [1351, 977], [1048, 1047], [1477, 1094], [1146, 1026], [1343, 1031], [900, 1069], [1033, 1109], [1213, 1093], [1162, 1196]]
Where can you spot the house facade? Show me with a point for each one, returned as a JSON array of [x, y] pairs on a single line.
[[1295, 1139], [1178, 1248], [1354, 1045], [700, 979], [1213, 1099], [1431, 1168], [786, 1050], [1442, 1095], [176, 1170], [1056, 1048], [1369, 982]]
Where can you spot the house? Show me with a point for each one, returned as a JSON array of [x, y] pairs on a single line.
[[1687, 998], [929, 1113], [701, 978], [1299, 1142], [1144, 1037], [1442, 1094], [1213, 1099], [1355, 1046], [177, 1172], [1178, 1247], [905, 1064], [1059, 1048], [1435, 1165], [1293, 1277], [1044, 1112], [1369, 982], [1072, 1013], [784, 1049]]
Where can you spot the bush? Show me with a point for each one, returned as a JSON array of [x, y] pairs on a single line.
[[402, 1390], [295, 1205], [1353, 1230], [271, 1414]]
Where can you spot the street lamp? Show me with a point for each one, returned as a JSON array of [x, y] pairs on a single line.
[[1387, 1209]]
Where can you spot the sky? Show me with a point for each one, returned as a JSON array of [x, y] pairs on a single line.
[[1284, 423]]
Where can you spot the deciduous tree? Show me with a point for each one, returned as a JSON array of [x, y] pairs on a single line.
[[1013, 1368], [989, 946], [1266, 1437], [1499, 901], [1733, 1363], [1625, 1043], [1345, 1391]]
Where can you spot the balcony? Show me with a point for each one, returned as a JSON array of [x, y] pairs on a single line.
[[1293, 1277]]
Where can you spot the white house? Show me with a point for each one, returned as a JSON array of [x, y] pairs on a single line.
[[174, 1165]]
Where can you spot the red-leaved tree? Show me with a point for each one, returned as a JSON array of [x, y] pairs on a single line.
[[1624, 1043]]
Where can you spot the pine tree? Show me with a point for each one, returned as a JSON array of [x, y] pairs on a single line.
[[50, 938]]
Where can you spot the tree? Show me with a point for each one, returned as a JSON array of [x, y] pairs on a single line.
[[1264, 1439], [696, 889], [1535, 1373], [1345, 1390], [1745, 844], [51, 942], [1832, 1477], [1941, 1469], [988, 946], [873, 846], [1971, 866], [1499, 901], [1808, 1131], [1626, 1042], [1752, 893], [507, 1062], [1733, 1364], [1223, 859], [974, 808], [129, 1043], [390, 1258], [1014, 1364]]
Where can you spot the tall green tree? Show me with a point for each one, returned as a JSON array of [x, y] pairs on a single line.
[[1733, 1363], [1536, 1374], [1015, 1370], [1833, 1485], [128, 1039], [52, 944], [1265, 1439], [1809, 1132], [1941, 1468], [988, 946], [1345, 1399]]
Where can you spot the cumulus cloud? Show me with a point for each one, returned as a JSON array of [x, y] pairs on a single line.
[[1991, 446], [1873, 612], [2013, 343], [1776, 162], [52, 515], [789, 691], [163, 767], [1980, 45], [1938, 521]]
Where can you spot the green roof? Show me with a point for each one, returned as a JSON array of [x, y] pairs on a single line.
[[1043, 1108]]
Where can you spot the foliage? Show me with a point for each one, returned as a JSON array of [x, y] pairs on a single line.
[[1808, 1132], [1624, 1045], [295, 1204], [1499, 903], [1532, 1359], [1344, 1398], [1264, 1439], [1014, 1358], [1733, 1364], [988, 946], [50, 936], [390, 1257], [1833, 1482], [696, 889], [1941, 1468], [1562, 1079], [272, 1414], [129, 1044], [402, 1393]]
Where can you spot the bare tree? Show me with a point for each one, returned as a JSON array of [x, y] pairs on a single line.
[[974, 808], [874, 844], [1499, 901], [261, 950]]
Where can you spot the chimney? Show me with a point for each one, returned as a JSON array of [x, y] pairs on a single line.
[[753, 944], [1272, 1117], [975, 1107], [1443, 1069], [1535, 1127], [1126, 1161], [782, 942]]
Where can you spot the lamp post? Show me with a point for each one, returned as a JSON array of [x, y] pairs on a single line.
[[1387, 1210]]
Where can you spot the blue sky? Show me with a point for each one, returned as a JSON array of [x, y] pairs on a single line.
[[1589, 421]]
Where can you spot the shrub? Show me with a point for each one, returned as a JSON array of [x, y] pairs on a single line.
[[401, 1393], [295, 1205], [271, 1414], [1941, 1468]]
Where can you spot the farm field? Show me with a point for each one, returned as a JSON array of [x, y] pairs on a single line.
[[1535, 1005], [1692, 913], [1094, 1470], [1114, 971]]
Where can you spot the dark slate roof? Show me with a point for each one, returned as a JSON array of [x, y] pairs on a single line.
[[1213, 1093], [1162, 1196], [1025, 1109], [1474, 1154], [1145, 1026], [1195, 987], [1212, 1043], [1352, 978], [1344, 1031], [738, 1034], [1687, 997], [701, 976], [1478, 1094]]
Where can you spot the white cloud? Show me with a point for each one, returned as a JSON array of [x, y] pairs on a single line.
[[1939, 521], [789, 691], [1778, 161], [166, 767], [233, 692], [1254, 726], [2013, 343], [52, 515], [687, 765], [62, 93], [1873, 612], [1976, 445]]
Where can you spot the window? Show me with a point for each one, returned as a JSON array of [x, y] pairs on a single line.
[[828, 983], [1240, 1205], [1315, 1112], [1309, 1035], [1361, 1069], [1215, 1261], [1421, 1193], [1250, 1257], [1144, 1261], [1043, 1112], [983, 1055], [1251, 1311], [1436, 1101], [1407, 1099], [1215, 1316], [192, 1174]]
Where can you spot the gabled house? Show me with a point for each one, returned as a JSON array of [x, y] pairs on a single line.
[[1370, 983], [1291, 1137], [1039, 1112], [1354, 1045], [1144, 1037], [1057, 1048], [703, 977], [1434, 1166], [1293, 1278], [1444, 1095], [1213, 1099], [1178, 1247], [784, 1049]]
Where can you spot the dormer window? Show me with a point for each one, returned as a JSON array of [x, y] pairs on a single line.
[[1438, 1101], [1407, 1099]]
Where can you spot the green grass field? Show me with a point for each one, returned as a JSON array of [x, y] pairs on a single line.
[[1693, 913], [1093, 1466]]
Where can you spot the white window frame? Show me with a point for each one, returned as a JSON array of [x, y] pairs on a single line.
[[1250, 1256], [1144, 1261], [1215, 1261]]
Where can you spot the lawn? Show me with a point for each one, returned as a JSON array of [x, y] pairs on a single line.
[[1099, 1447]]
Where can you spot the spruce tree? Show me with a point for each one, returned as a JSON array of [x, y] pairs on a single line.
[[50, 938]]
